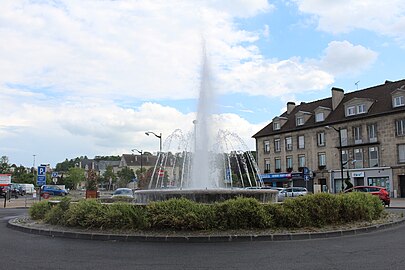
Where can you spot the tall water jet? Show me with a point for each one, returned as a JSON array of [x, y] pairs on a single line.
[[203, 133], [203, 163]]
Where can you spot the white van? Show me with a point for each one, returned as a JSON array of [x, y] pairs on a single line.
[[29, 188]]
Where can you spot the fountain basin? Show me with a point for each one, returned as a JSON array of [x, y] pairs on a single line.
[[204, 195]]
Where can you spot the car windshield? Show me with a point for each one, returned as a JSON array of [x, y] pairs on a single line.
[[122, 191]]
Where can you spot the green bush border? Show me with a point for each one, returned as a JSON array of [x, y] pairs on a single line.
[[241, 213]]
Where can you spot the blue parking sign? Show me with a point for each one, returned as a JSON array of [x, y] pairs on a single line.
[[41, 170], [41, 180]]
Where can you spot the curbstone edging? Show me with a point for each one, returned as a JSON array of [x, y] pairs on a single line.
[[201, 239]]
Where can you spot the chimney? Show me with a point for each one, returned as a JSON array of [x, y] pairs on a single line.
[[337, 96], [290, 107]]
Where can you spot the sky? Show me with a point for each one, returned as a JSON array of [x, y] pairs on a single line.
[[90, 77]]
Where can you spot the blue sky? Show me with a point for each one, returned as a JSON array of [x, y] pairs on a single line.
[[90, 77]]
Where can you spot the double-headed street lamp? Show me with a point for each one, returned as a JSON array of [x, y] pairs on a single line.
[[157, 136], [140, 152], [338, 130]]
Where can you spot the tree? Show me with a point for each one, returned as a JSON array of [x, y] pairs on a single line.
[[75, 176], [125, 176], [109, 176], [4, 166]]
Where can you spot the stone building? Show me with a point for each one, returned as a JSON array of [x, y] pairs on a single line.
[[357, 137]]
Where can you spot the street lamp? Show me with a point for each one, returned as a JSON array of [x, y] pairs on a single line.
[[140, 152], [157, 136], [338, 130]]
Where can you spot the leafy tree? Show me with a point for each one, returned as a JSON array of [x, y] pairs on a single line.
[[75, 176], [125, 176], [4, 165], [109, 175]]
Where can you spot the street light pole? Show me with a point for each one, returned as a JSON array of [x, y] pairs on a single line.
[[157, 136], [140, 152], [338, 130]]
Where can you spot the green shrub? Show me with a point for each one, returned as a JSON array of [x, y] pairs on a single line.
[[39, 210], [241, 213], [180, 214], [57, 214], [122, 215], [357, 206], [87, 213]]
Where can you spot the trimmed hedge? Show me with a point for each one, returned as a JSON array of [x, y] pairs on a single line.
[[241, 213]]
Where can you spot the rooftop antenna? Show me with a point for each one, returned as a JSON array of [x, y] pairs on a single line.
[[357, 84]]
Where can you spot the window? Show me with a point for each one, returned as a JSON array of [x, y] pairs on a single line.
[[300, 121], [319, 117], [277, 163], [277, 145], [321, 159], [266, 146], [267, 165], [276, 125], [301, 160], [345, 159], [289, 162], [400, 126], [401, 153], [373, 156], [399, 101], [288, 143], [301, 142], [372, 132], [357, 134], [351, 111], [343, 134], [358, 157], [321, 139], [361, 109]]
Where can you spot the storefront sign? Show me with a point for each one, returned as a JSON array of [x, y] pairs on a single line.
[[357, 174]]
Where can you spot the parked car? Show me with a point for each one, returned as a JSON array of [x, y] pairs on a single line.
[[17, 189], [381, 192], [280, 195], [9, 189], [28, 188], [294, 192], [123, 192], [54, 190]]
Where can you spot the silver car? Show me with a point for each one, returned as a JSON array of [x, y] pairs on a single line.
[[294, 192]]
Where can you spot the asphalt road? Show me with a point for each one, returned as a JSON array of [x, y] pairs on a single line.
[[377, 250]]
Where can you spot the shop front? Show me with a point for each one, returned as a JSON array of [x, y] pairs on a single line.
[[378, 176]]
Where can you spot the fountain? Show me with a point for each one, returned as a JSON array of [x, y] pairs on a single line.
[[204, 166]]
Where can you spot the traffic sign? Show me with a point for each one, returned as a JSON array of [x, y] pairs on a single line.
[[55, 174], [41, 170], [41, 180]]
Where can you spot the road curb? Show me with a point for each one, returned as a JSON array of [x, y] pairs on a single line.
[[13, 224]]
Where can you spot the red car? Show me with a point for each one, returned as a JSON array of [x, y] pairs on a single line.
[[381, 192]]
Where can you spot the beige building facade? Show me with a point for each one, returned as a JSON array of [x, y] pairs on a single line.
[[357, 137]]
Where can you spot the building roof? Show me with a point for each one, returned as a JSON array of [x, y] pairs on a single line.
[[135, 160], [382, 104]]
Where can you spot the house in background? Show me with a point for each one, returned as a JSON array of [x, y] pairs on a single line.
[[359, 136]]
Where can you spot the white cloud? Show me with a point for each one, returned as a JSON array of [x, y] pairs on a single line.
[[382, 17], [343, 57]]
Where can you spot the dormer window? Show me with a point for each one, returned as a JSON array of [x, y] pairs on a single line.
[[319, 117], [351, 110], [361, 109], [276, 125], [399, 101], [300, 121]]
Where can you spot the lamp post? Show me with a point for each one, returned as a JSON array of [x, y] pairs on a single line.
[[140, 152], [157, 136], [338, 130]]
